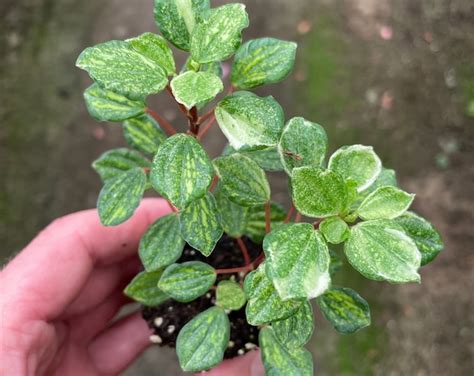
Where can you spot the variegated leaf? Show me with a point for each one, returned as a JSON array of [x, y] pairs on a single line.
[[162, 244], [110, 64], [345, 309], [187, 281], [262, 61], [380, 250], [115, 162], [143, 133], [297, 261], [217, 35], [119, 197], [182, 171], [106, 105], [177, 18], [229, 295], [191, 88], [334, 229], [296, 330], [233, 216], [201, 343], [255, 227], [144, 289], [248, 120], [385, 203], [264, 305], [267, 158], [200, 224]]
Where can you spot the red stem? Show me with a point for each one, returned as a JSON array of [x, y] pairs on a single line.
[[244, 251], [206, 116], [298, 217], [162, 121], [267, 217], [208, 126], [215, 179], [290, 213], [245, 268]]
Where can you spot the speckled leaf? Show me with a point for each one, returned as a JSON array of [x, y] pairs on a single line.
[[182, 171], [218, 34], [380, 250], [117, 66], [334, 229], [278, 360], [302, 143], [177, 18], [296, 330], [385, 203], [187, 281], [106, 105], [143, 133], [346, 310], [200, 224], [297, 261], [242, 180], [255, 226], [215, 67], [263, 302], [336, 262], [191, 88], [144, 289], [425, 236], [115, 162], [356, 162], [267, 158], [201, 343], [318, 192], [387, 177], [233, 216], [155, 48], [162, 244], [229, 295], [119, 197], [249, 120], [262, 61]]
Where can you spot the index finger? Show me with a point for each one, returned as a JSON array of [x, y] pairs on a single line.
[[50, 272]]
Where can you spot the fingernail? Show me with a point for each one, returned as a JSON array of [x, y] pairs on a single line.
[[256, 366]]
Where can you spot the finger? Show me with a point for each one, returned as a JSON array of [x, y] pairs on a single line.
[[113, 350], [249, 364], [51, 271], [102, 282]]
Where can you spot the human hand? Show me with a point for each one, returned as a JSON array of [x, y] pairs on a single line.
[[60, 294]]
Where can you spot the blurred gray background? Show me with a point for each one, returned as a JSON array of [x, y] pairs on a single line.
[[398, 75]]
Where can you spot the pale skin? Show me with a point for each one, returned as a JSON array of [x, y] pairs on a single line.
[[60, 295]]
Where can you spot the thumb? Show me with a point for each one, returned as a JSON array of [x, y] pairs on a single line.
[[249, 364]]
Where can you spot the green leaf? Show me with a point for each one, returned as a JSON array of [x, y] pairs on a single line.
[[387, 177], [345, 309], [201, 343], [336, 262], [233, 216], [278, 360], [425, 236], [385, 203], [215, 67], [380, 250], [162, 244], [262, 61], [218, 34], [187, 281], [318, 192], [255, 228], [302, 143], [144, 289], [334, 229], [264, 304], [182, 171], [229, 295], [191, 88], [249, 120], [297, 261], [356, 162], [110, 64], [119, 197], [267, 158], [242, 180], [155, 48], [143, 133], [200, 224], [106, 105], [296, 330], [116, 162], [177, 18]]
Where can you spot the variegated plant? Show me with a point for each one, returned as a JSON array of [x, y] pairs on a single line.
[[349, 198]]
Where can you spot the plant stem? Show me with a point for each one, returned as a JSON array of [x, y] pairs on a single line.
[[206, 116], [290, 213], [208, 126], [172, 207], [244, 251], [245, 268], [162, 121], [267, 217], [215, 179], [298, 217]]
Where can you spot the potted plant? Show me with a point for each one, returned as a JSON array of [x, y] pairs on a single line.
[[228, 269]]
